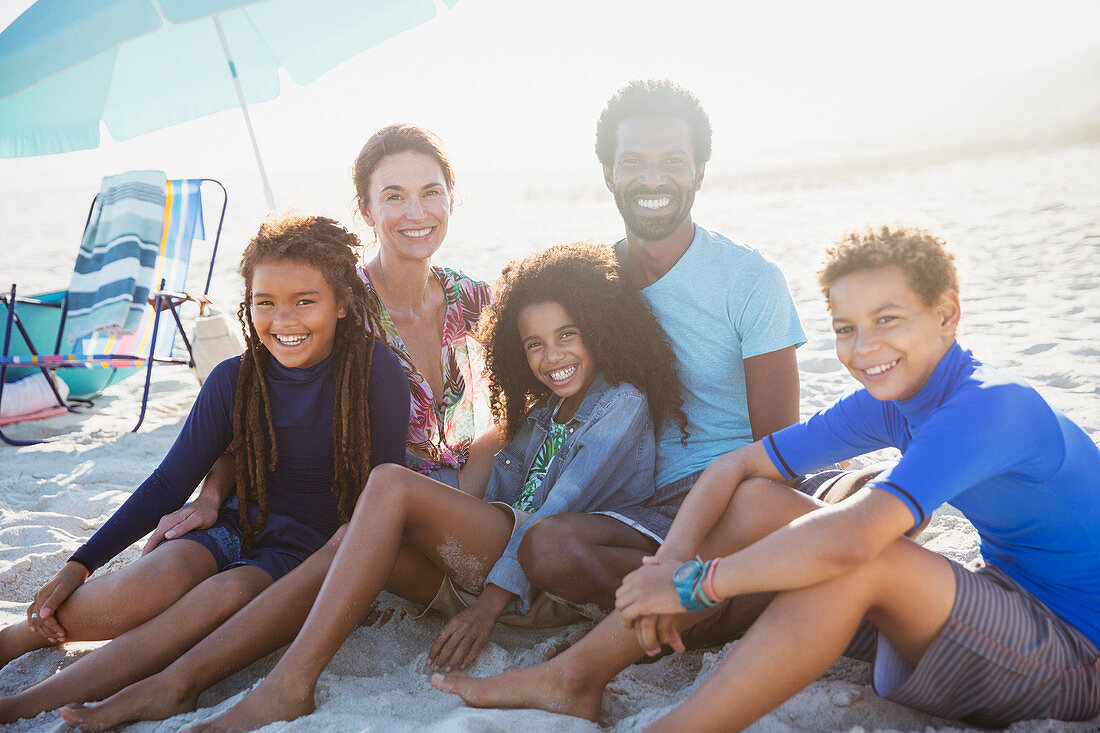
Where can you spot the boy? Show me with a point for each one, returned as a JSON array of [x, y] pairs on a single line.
[[1011, 637]]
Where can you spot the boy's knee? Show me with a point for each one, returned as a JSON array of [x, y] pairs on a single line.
[[758, 508], [753, 502]]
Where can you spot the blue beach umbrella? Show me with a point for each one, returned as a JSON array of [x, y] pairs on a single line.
[[140, 65]]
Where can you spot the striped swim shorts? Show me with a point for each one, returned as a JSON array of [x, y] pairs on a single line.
[[1002, 656]]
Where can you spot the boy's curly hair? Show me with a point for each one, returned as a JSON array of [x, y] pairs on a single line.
[[921, 256], [615, 322], [326, 245]]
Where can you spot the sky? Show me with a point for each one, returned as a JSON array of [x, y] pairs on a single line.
[[515, 85]]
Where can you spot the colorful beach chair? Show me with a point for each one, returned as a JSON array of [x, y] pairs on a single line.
[[131, 275]]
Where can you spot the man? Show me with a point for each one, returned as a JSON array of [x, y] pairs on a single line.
[[729, 317]]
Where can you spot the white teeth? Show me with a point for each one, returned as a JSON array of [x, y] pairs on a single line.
[[872, 371], [563, 374], [417, 232], [657, 203], [291, 340]]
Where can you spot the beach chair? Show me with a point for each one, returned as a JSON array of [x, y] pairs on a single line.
[[120, 314]]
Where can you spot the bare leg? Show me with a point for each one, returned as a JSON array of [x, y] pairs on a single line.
[[582, 558], [270, 621], [573, 682], [144, 649], [907, 592], [93, 613], [457, 532]]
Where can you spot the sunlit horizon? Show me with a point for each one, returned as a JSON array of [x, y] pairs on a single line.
[[517, 87]]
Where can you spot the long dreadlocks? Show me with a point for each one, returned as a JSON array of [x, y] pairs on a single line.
[[324, 244]]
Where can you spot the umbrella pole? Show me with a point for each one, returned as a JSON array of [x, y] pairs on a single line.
[[244, 110]]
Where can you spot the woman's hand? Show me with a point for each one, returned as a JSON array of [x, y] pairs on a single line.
[[460, 641], [199, 514], [41, 613]]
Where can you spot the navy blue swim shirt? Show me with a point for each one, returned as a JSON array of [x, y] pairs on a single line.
[[302, 402]]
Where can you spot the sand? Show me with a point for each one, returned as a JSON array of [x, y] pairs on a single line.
[[1030, 271]]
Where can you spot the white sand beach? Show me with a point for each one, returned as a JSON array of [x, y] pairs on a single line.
[[1027, 232]]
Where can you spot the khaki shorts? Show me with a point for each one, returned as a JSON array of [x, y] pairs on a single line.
[[450, 600]]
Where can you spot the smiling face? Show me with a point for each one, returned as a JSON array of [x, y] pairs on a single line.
[[886, 336], [654, 176], [408, 205], [556, 353], [295, 312]]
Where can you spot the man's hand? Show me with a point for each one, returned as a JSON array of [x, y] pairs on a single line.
[[41, 613], [196, 515]]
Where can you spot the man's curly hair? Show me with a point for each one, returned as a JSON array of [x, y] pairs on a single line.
[[616, 326], [653, 98], [921, 256]]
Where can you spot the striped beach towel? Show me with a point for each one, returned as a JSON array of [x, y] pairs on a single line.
[[184, 225], [115, 268]]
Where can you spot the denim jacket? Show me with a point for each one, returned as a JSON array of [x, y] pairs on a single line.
[[606, 463]]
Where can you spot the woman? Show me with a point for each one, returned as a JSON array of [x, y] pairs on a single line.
[[404, 186]]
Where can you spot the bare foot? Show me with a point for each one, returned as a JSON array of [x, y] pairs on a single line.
[[150, 699], [268, 703], [544, 686]]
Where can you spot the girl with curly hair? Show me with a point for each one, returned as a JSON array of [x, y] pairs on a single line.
[[579, 373], [310, 408]]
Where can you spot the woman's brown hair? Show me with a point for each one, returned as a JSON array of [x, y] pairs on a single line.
[[394, 140]]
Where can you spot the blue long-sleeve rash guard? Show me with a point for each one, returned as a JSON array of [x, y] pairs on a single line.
[[978, 438], [302, 402]]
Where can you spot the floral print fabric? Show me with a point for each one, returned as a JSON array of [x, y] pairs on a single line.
[[442, 428], [555, 437]]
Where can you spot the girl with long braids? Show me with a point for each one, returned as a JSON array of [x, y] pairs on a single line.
[[309, 409], [579, 374]]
